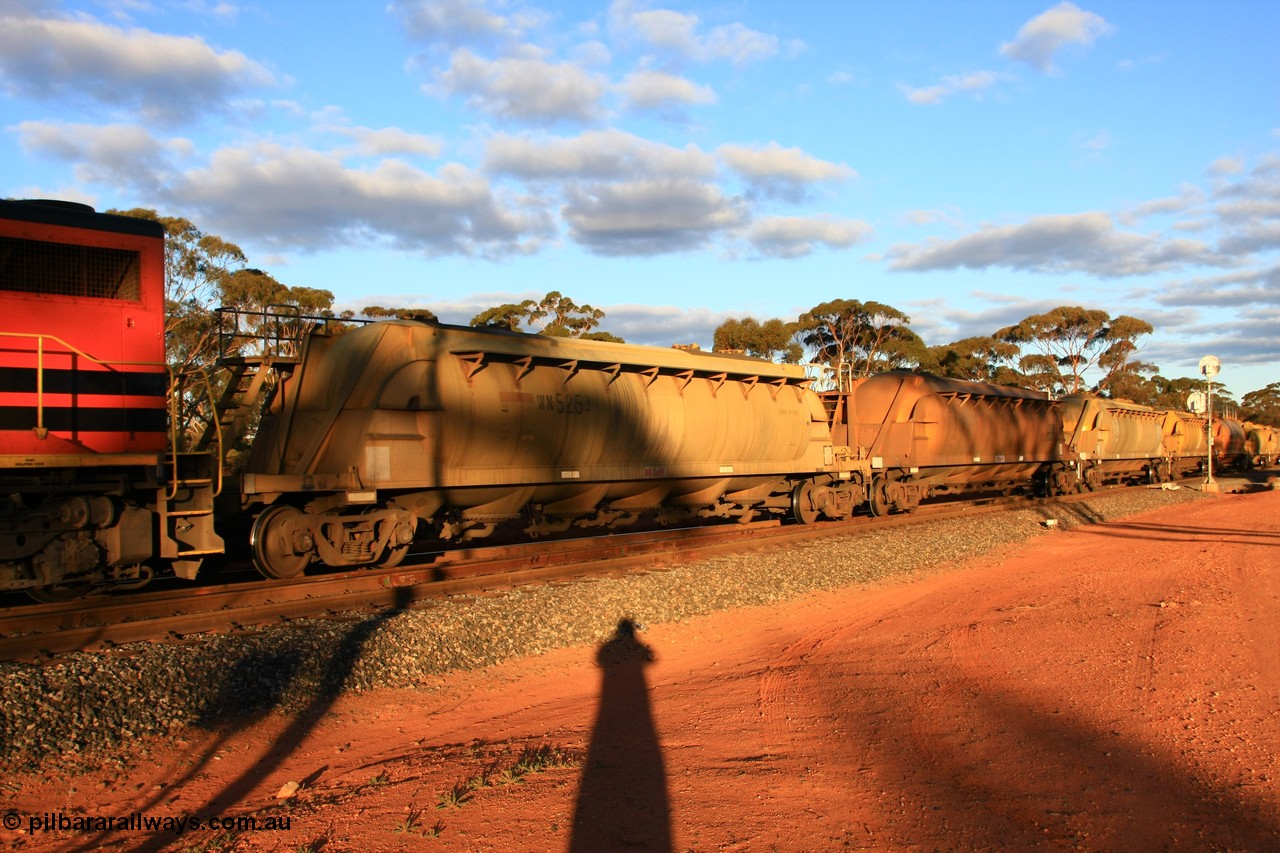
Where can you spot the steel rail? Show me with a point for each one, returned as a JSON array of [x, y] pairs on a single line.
[[43, 631]]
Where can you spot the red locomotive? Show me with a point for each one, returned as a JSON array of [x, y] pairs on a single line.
[[90, 491]]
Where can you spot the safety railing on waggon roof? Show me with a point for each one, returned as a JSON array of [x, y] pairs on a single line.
[[275, 333]]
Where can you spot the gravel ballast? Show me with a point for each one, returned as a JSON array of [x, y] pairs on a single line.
[[83, 707]]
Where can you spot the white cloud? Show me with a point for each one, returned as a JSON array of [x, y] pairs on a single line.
[[119, 156], [1100, 141], [973, 82], [1188, 199], [167, 79], [309, 199], [797, 236], [781, 172], [1085, 242], [1239, 289], [1044, 35], [455, 21], [594, 155], [676, 33], [525, 89], [648, 217], [657, 90], [386, 141], [1224, 166]]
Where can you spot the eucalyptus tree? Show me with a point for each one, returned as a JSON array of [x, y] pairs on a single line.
[[773, 339], [859, 338], [977, 359], [1060, 346]]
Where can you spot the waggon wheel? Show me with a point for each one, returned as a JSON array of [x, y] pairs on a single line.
[[878, 498], [393, 556], [802, 508], [275, 545], [396, 550]]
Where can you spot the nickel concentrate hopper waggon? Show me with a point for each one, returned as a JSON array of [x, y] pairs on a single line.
[[382, 434]]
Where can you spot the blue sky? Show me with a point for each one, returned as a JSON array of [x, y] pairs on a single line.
[[680, 163]]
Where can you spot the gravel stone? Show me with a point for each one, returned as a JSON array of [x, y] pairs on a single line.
[[82, 708]]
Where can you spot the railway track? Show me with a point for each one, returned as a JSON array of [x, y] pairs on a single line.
[[44, 631]]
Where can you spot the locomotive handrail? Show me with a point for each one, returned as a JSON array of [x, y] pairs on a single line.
[[174, 420], [40, 430]]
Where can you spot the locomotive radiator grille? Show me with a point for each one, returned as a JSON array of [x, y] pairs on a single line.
[[31, 266]]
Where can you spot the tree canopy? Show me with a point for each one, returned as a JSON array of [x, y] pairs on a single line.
[[977, 359], [555, 315], [1060, 345], [860, 338], [1068, 349], [1262, 406], [772, 339]]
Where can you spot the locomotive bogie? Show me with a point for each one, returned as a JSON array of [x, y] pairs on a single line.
[[68, 538]]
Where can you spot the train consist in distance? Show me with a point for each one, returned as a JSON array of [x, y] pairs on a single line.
[[391, 432]]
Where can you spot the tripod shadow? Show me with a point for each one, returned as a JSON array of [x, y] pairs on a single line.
[[622, 797]]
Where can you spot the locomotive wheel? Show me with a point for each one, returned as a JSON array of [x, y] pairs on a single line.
[[802, 508], [878, 498], [272, 543]]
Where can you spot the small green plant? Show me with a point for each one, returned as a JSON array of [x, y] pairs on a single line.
[[380, 779], [434, 830], [543, 757], [409, 822], [455, 797], [511, 776]]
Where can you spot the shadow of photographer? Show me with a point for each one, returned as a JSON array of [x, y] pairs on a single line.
[[622, 796]]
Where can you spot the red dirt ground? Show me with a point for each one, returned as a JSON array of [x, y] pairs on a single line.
[[1112, 687]]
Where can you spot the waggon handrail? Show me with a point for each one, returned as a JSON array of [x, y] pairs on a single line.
[[279, 330]]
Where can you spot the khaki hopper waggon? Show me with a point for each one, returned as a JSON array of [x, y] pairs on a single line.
[[925, 435], [1262, 444], [1115, 441], [403, 423], [1229, 444], [1186, 442]]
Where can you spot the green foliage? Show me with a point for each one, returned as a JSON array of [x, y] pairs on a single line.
[[602, 336], [1262, 406], [977, 359], [203, 272], [773, 339], [860, 338], [555, 315], [508, 316], [377, 312], [561, 317], [1059, 346]]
